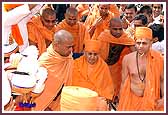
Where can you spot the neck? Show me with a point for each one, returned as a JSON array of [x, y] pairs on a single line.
[[143, 55]]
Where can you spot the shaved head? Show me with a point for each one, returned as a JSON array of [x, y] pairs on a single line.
[[115, 20], [63, 43], [71, 10], [48, 11], [62, 36]]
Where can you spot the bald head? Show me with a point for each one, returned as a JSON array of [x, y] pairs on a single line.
[[71, 10], [63, 43], [48, 11], [71, 16], [115, 20], [62, 36], [116, 28]]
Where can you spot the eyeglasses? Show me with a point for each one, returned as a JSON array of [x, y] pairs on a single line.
[[49, 21]]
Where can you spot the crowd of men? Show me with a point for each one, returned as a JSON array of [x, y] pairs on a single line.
[[116, 50]]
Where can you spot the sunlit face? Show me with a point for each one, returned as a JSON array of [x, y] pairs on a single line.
[[157, 9], [48, 21], [103, 9], [143, 45], [71, 19], [130, 14], [65, 48], [116, 29], [91, 57]]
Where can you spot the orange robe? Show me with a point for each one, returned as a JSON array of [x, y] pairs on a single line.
[[79, 33], [129, 101], [102, 26], [114, 9], [83, 9], [106, 39], [38, 34], [59, 72], [96, 77]]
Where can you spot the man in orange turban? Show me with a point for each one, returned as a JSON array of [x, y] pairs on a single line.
[[90, 71], [41, 29], [76, 28], [114, 45], [58, 62], [142, 86]]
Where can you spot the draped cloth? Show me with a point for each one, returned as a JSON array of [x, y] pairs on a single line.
[[83, 9], [102, 26], [39, 34], [96, 77], [59, 74], [79, 33], [106, 39], [131, 102]]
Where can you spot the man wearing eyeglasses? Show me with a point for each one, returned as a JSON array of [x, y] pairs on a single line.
[[41, 29]]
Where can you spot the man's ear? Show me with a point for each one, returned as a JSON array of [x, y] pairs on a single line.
[[155, 39]]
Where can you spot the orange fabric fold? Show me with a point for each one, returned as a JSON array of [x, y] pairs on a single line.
[[16, 34], [102, 26], [95, 77], [59, 72], [114, 9], [11, 6], [79, 33], [106, 38], [129, 101], [38, 33], [83, 9], [143, 32]]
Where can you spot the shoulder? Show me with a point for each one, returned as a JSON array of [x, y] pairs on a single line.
[[103, 34], [129, 56]]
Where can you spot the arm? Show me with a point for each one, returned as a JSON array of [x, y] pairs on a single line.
[[94, 25], [14, 16], [124, 71]]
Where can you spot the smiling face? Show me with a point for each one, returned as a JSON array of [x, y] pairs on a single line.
[[91, 57], [156, 9], [130, 14]]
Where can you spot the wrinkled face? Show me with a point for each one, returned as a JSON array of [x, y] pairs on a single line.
[[138, 23], [143, 45], [91, 57], [103, 9], [156, 9], [65, 48], [130, 14], [71, 19], [48, 21], [116, 29]]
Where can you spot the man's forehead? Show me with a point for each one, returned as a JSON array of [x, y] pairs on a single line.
[[143, 40]]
